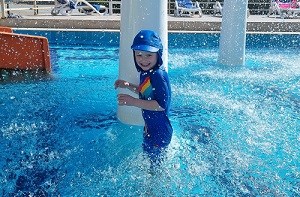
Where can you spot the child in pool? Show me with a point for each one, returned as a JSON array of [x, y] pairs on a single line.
[[154, 93]]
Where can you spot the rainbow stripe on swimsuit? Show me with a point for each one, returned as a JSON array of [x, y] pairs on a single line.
[[146, 88]]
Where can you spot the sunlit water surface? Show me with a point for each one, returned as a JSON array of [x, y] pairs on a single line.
[[236, 128]]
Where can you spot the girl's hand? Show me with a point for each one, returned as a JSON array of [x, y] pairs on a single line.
[[121, 84], [125, 99]]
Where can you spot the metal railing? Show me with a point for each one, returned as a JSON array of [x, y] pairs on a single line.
[[8, 6], [114, 6], [255, 6]]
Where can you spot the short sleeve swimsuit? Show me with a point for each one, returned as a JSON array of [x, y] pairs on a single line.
[[155, 85]]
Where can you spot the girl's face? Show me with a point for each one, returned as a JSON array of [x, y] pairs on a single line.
[[145, 60]]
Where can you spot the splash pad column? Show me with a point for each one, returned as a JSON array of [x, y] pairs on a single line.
[[233, 33], [135, 16]]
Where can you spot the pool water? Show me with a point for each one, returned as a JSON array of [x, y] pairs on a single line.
[[236, 129]]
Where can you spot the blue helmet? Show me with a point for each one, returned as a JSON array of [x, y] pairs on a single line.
[[147, 40]]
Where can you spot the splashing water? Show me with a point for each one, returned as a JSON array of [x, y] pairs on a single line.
[[236, 129]]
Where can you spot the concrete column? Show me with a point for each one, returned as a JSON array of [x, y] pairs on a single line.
[[135, 16], [233, 33]]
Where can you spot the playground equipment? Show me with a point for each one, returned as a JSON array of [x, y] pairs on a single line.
[[23, 52]]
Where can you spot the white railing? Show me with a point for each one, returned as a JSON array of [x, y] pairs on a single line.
[[111, 6], [6, 7], [114, 6], [2, 9]]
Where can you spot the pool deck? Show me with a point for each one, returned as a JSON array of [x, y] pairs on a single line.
[[207, 23]]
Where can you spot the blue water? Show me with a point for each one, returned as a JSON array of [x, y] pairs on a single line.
[[236, 129]]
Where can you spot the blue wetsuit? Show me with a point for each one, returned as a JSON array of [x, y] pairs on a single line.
[[155, 85]]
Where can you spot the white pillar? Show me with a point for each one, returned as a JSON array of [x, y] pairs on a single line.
[[3, 10], [233, 33], [135, 16]]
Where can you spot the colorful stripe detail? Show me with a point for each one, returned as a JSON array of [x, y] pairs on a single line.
[[146, 88]]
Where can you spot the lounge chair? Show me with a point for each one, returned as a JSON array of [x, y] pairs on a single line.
[[187, 8], [285, 8], [218, 9], [65, 7]]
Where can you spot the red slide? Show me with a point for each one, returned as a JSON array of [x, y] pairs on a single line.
[[23, 52]]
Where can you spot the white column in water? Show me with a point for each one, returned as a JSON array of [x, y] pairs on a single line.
[[137, 15], [233, 33]]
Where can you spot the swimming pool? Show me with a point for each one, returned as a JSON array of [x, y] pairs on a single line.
[[236, 129]]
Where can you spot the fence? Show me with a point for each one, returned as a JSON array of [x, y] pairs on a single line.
[[255, 6], [9, 5], [114, 6]]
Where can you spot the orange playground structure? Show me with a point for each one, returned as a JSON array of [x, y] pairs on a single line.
[[23, 52]]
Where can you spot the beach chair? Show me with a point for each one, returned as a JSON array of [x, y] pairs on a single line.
[[218, 9], [65, 7], [187, 8], [285, 8]]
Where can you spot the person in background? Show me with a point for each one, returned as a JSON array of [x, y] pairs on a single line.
[[154, 93]]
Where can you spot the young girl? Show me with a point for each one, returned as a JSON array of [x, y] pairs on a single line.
[[154, 92]]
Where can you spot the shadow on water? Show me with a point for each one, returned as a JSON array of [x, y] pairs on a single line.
[[16, 75]]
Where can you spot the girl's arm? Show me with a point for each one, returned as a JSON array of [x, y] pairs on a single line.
[[125, 84], [152, 105]]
